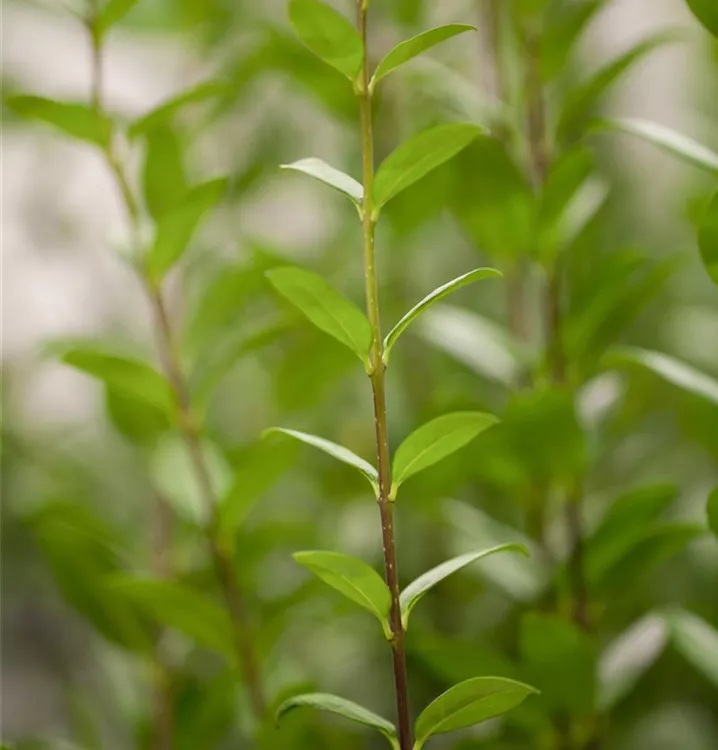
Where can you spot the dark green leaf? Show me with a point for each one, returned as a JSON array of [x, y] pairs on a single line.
[[697, 641], [469, 703], [712, 511], [322, 171], [328, 34], [706, 11], [113, 12], [325, 307], [163, 176], [353, 578], [708, 239]]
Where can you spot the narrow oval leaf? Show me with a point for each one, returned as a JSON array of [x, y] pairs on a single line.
[[712, 511], [353, 578], [336, 451], [430, 299], [163, 176], [708, 239], [328, 34], [411, 595], [336, 705], [175, 228], [113, 12], [697, 641], [435, 440], [561, 34], [325, 307], [77, 120], [469, 703], [410, 48], [706, 11], [327, 174], [417, 157], [677, 144]]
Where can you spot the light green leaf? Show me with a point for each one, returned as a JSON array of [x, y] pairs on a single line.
[[560, 34], [411, 595], [410, 48], [417, 157], [706, 11], [336, 705], [113, 12], [708, 239], [176, 227], [179, 607], [353, 578], [469, 703], [697, 641], [670, 369], [436, 440], [677, 144], [712, 511], [438, 294], [336, 451], [163, 177], [325, 307], [328, 34], [327, 174], [77, 120]]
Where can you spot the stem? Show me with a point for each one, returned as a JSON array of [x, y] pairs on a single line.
[[377, 378]]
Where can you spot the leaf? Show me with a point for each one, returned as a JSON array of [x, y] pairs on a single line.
[[175, 228], [712, 511], [134, 420], [163, 177], [708, 239], [411, 595], [469, 703], [336, 705], [579, 102], [417, 157], [411, 48], [327, 174], [325, 307], [677, 144], [697, 641], [112, 13], [336, 451], [434, 441], [77, 120], [560, 35], [353, 578], [328, 34], [438, 294], [670, 369], [706, 11], [179, 607]]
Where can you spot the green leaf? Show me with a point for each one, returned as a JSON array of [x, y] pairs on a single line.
[[697, 641], [176, 606], [176, 227], [706, 11], [417, 157], [672, 370], [438, 294], [77, 120], [581, 101], [411, 595], [328, 34], [677, 144], [708, 239], [135, 420], [712, 511], [436, 440], [163, 177], [353, 578], [413, 47], [336, 451], [469, 703], [325, 307], [112, 13], [560, 35], [322, 171], [336, 705]]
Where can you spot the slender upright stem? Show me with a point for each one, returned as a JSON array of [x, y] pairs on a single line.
[[377, 377]]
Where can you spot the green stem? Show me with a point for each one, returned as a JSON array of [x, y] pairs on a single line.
[[377, 378]]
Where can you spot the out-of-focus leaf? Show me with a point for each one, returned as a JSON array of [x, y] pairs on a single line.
[[353, 578], [135, 420], [410, 48], [562, 32], [677, 144], [438, 294], [436, 440], [469, 703], [77, 120], [712, 511], [696, 640], [327, 174], [112, 13], [336, 705], [411, 595], [163, 177], [325, 307], [708, 239], [417, 157], [560, 659], [328, 34], [706, 11]]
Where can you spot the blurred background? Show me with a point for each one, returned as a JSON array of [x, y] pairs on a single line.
[[71, 449]]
